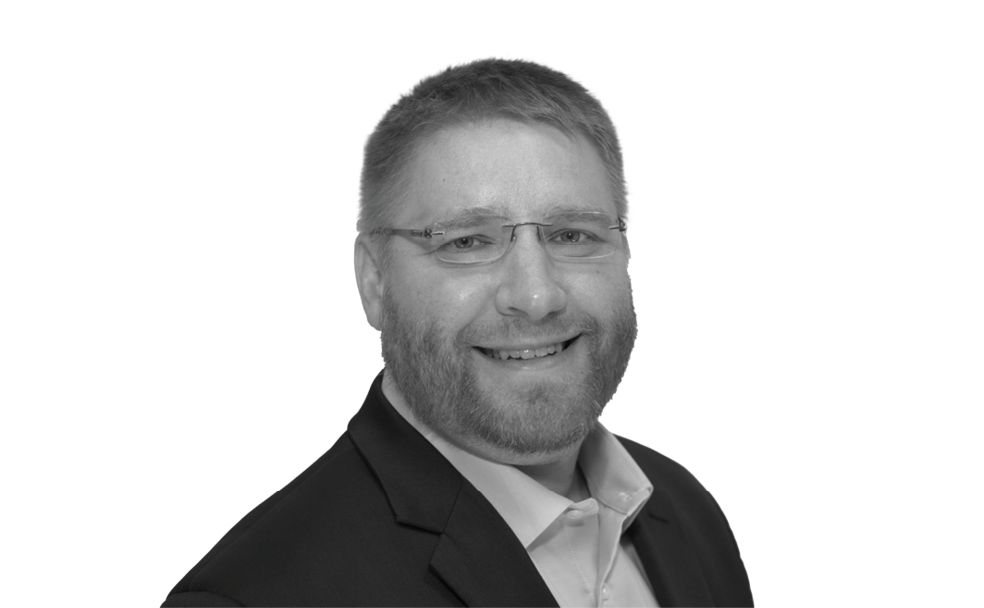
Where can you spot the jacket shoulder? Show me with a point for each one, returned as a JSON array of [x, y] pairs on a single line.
[[327, 534], [196, 599], [679, 497]]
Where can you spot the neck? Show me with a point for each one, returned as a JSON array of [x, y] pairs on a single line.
[[562, 477]]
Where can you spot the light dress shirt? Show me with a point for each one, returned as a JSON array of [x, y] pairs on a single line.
[[578, 548]]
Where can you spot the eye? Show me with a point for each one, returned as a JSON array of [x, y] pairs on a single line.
[[570, 236], [465, 242], [573, 236]]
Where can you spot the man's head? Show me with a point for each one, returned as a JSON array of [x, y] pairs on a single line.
[[514, 357], [473, 93]]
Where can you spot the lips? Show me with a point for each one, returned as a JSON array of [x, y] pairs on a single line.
[[536, 352]]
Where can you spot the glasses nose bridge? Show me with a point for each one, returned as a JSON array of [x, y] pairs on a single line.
[[541, 238]]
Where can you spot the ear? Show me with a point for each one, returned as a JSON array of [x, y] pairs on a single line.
[[369, 277]]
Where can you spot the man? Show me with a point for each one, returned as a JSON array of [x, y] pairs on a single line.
[[492, 256]]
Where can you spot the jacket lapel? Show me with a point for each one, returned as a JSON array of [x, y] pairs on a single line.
[[669, 561], [481, 560], [477, 554]]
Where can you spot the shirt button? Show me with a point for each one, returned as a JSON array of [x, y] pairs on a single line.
[[574, 514], [606, 592]]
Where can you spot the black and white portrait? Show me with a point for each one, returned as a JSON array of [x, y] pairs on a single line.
[[773, 276]]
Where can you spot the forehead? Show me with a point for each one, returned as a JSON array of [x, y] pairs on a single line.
[[523, 171]]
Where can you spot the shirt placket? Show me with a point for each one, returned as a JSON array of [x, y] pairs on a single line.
[[582, 528], [611, 527]]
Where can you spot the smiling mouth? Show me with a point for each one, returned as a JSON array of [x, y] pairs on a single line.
[[527, 353]]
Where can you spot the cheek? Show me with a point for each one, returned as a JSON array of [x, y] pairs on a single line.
[[469, 298], [443, 297], [600, 288]]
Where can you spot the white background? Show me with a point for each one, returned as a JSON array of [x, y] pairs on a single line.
[[180, 332]]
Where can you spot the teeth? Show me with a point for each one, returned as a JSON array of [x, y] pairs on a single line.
[[527, 353]]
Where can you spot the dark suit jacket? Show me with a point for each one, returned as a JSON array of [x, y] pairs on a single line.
[[383, 519]]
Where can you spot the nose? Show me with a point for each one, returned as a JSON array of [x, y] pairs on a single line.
[[529, 285]]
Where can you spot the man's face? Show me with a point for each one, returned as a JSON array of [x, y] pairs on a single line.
[[444, 328]]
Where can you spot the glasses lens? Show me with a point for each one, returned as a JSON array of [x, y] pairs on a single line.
[[473, 245], [581, 236]]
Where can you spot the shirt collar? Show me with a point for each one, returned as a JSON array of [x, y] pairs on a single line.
[[613, 476], [527, 507]]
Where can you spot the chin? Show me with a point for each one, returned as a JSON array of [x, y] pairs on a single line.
[[538, 417]]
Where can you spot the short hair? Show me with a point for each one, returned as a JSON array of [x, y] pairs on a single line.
[[472, 92]]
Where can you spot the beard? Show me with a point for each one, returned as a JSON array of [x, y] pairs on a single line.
[[437, 375]]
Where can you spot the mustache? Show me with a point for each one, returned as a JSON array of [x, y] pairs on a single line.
[[511, 329]]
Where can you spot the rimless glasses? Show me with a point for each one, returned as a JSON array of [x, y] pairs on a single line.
[[574, 237]]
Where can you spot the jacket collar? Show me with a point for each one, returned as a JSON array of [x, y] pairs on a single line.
[[667, 557], [477, 555]]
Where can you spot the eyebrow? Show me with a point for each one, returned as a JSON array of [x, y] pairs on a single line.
[[471, 217], [478, 216], [569, 211], [581, 216]]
